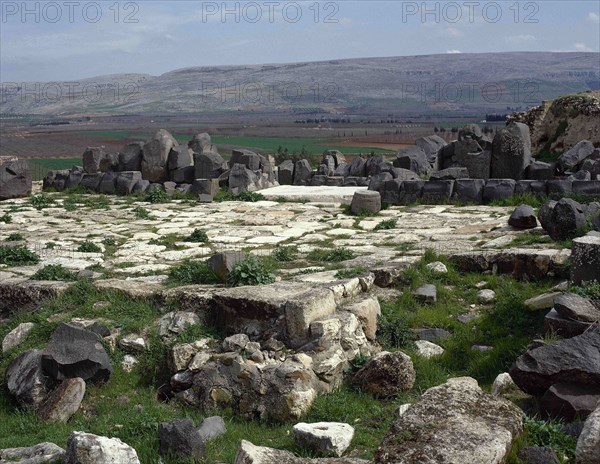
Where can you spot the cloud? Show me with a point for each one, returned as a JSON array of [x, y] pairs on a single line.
[[453, 52], [453, 32], [581, 47], [521, 38], [594, 17]]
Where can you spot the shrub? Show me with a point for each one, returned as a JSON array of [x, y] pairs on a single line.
[[156, 195], [141, 213], [6, 218], [193, 272], [14, 237], [386, 225], [89, 247], [41, 200], [393, 331], [198, 236], [251, 271], [285, 253], [109, 241], [13, 256], [54, 272], [549, 434], [331, 256], [588, 290]]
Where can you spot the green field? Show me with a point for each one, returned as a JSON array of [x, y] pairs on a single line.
[[40, 166], [263, 144]]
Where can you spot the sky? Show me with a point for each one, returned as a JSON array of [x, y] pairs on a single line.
[[72, 39]]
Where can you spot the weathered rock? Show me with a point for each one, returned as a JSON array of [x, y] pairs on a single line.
[[437, 191], [16, 336], [575, 360], [180, 439], [130, 157], [428, 349], [251, 454], [141, 186], [585, 259], [366, 201], [358, 167], [108, 183], [511, 152], [180, 157], [323, 438], [25, 378], [235, 342], [286, 172], [223, 263], [433, 334], [538, 455], [538, 170], [588, 444], [242, 179], [431, 145], [469, 190], [126, 181], [76, 352], [486, 296], [455, 423], [426, 293], [156, 155], [572, 306], [92, 157], [378, 180], [531, 187], [367, 311], [575, 156], [133, 343], [543, 301], [450, 174], [211, 428], [302, 172], [15, 179], [569, 401], [209, 165], [498, 189], [63, 401], [201, 142], [502, 383], [42, 453], [567, 220], [414, 159], [555, 324], [523, 217], [386, 374], [86, 448]]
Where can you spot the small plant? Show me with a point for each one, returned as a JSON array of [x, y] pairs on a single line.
[[350, 272], [549, 434], [242, 196], [357, 363], [14, 256], [251, 271], [386, 225], [141, 213], [193, 272], [285, 253], [393, 331], [169, 241], [89, 247], [588, 290], [109, 241], [15, 237], [41, 201], [156, 195], [331, 256], [198, 236], [54, 272], [6, 218], [50, 246]]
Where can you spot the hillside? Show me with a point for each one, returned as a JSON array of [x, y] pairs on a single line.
[[431, 84]]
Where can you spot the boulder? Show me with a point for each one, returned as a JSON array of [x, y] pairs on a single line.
[[343, 170], [76, 352], [538, 170], [367, 311], [337, 156], [130, 157], [403, 174], [86, 448], [555, 324], [286, 172], [453, 423], [450, 174], [366, 201], [378, 180], [63, 401], [242, 179], [323, 438], [523, 217], [511, 152], [15, 179], [16, 336], [543, 301], [108, 183], [567, 219], [42, 453], [184, 175], [502, 383], [92, 157], [74, 179], [572, 306], [533, 187], [358, 167], [91, 181], [223, 263], [414, 159], [585, 259], [205, 187], [25, 378], [180, 157], [209, 165], [538, 455], [386, 374], [428, 350], [588, 444], [569, 401], [141, 186], [426, 293], [374, 165], [431, 145], [251, 454], [498, 189], [126, 181], [575, 360], [437, 191], [432, 334], [180, 439], [302, 172], [469, 190], [155, 156], [211, 428], [201, 142], [569, 160]]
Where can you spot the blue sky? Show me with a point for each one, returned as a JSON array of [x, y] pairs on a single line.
[[45, 43]]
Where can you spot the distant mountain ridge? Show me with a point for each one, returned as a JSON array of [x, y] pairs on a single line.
[[427, 84]]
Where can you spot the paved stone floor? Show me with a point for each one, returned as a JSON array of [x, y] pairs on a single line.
[[255, 227]]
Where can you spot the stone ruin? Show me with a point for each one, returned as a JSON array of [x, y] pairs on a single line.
[[15, 178], [196, 168]]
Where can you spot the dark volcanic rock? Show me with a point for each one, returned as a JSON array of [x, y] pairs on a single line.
[[572, 306], [523, 217], [386, 374], [180, 438], [538, 455], [25, 378], [569, 401]]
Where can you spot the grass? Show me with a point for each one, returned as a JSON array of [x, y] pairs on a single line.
[[588, 290], [18, 256], [6, 218], [252, 197], [350, 272], [331, 256], [197, 236], [54, 272], [285, 253], [41, 201], [156, 195], [141, 213], [14, 237], [169, 241], [89, 247], [192, 272], [388, 224]]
